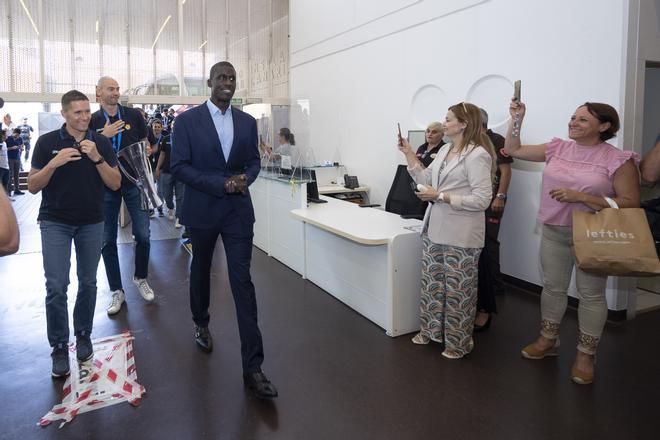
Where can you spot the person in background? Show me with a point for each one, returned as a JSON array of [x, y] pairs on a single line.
[[71, 167], [490, 278], [4, 164], [170, 119], [9, 127], [458, 187], [170, 186], [650, 165], [155, 135], [9, 232], [8, 124], [14, 145], [26, 136], [429, 149], [584, 173]]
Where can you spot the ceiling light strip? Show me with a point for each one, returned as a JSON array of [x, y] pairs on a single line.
[[161, 31], [27, 11]]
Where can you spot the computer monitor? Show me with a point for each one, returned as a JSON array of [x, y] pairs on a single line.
[[416, 138], [313, 189]]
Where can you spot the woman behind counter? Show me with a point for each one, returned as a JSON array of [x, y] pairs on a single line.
[[429, 149], [286, 146], [585, 174], [458, 189]]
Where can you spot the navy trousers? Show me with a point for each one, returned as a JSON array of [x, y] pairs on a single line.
[[236, 237]]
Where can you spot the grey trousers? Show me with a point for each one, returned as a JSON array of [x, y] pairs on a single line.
[[557, 262]]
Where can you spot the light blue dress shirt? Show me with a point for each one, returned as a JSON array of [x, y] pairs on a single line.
[[224, 125]]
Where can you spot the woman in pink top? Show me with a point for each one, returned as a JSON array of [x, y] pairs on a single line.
[[584, 173]]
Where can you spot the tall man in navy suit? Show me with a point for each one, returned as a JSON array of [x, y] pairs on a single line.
[[215, 153]]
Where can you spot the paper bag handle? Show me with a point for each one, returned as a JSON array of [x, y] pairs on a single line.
[[611, 202]]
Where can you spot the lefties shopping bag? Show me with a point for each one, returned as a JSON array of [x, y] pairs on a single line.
[[615, 242]]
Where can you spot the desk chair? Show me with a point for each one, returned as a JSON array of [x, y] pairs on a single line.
[[402, 199]]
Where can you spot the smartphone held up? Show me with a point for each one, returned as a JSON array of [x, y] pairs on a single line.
[[516, 91]]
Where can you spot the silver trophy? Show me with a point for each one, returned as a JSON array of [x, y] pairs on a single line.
[[134, 163]]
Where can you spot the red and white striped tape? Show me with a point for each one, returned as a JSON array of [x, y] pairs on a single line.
[[110, 378]]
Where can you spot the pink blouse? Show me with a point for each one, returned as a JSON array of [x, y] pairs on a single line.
[[587, 169]]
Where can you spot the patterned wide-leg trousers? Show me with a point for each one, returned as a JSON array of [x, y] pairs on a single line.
[[449, 294]]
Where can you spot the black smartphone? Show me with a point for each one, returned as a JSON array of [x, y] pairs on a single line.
[[398, 126], [516, 90]]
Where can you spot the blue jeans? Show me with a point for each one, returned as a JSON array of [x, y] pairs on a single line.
[[56, 249], [169, 185], [140, 228]]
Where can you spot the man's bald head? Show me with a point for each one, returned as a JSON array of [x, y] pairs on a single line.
[[107, 90], [105, 79]]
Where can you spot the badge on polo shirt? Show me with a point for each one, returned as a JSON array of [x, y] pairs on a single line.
[[433, 156], [127, 126]]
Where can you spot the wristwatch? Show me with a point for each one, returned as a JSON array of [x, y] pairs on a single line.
[[501, 196], [100, 161]]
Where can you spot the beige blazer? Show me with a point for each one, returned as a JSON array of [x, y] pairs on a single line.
[[467, 179]]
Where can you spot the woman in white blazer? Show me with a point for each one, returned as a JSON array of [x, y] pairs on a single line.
[[458, 186]]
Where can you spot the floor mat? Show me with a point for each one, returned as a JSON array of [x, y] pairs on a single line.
[[109, 378]]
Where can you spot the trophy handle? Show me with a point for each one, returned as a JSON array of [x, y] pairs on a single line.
[[126, 173]]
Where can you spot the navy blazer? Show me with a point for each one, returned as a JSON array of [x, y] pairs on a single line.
[[198, 161]]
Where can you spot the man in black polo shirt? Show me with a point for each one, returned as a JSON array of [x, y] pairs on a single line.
[[123, 126], [72, 166]]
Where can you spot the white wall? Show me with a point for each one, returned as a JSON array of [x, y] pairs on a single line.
[[366, 65]]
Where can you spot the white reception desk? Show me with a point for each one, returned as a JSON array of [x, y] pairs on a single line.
[[362, 256], [365, 258], [275, 231]]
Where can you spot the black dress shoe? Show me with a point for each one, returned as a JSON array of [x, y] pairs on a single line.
[[203, 339], [260, 386]]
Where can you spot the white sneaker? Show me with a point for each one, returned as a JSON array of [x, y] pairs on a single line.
[[118, 298], [177, 225], [170, 214], [145, 290]]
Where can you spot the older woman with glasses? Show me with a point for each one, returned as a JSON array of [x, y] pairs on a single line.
[[584, 173], [457, 185]]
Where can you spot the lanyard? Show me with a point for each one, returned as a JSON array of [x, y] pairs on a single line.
[[116, 139]]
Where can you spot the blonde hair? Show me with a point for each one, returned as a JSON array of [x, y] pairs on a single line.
[[437, 126], [474, 133]]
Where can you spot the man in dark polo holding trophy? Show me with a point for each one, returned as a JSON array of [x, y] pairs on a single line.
[[123, 126]]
